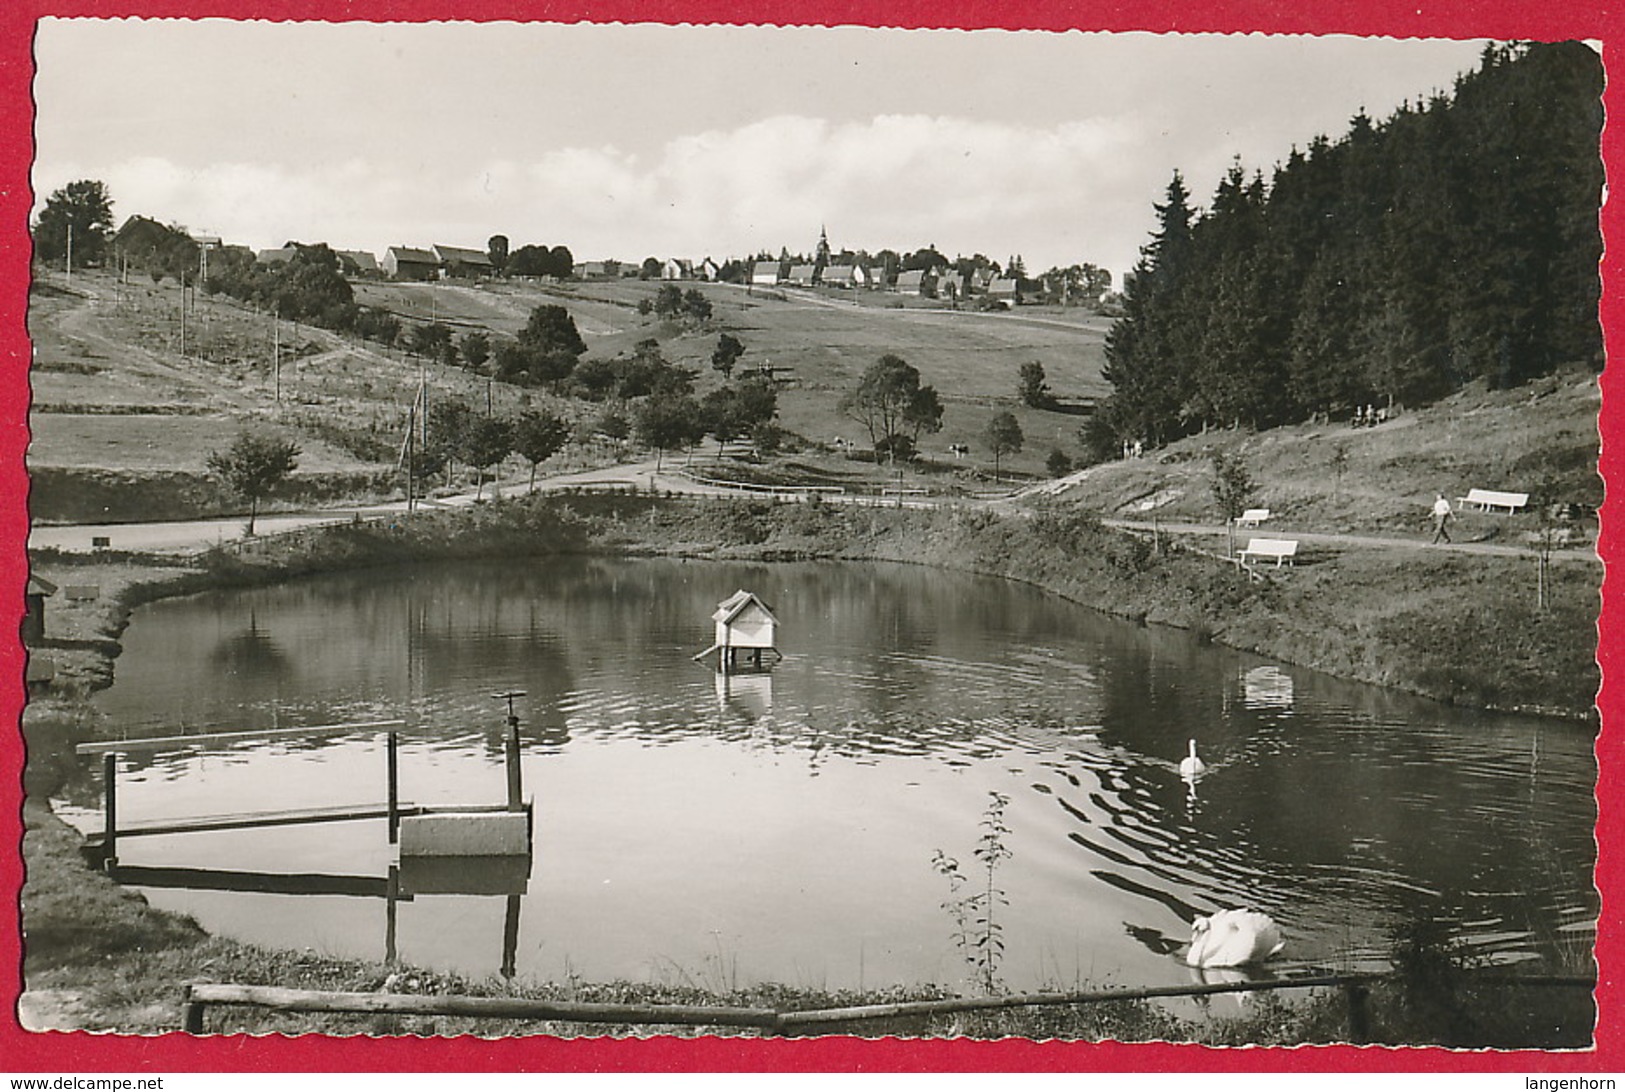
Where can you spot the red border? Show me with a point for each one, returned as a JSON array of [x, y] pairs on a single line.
[[78, 1052]]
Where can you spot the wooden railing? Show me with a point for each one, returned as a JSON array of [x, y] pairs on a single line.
[[199, 997]]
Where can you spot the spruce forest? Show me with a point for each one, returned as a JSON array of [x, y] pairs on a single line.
[[1456, 241]]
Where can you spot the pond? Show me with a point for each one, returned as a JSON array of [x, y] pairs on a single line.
[[718, 830]]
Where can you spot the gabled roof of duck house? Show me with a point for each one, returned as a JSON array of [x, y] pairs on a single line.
[[736, 604]]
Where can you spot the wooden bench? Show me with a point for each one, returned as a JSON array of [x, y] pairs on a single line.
[[1281, 549], [1252, 517], [1488, 500]]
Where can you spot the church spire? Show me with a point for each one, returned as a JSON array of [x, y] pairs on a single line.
[[823, 247]]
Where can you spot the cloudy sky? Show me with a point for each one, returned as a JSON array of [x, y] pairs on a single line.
[[630, 141]]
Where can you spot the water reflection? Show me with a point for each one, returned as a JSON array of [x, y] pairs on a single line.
[[796, 812]]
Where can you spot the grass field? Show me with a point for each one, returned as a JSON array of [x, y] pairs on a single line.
[[820, 341], [113, 392]]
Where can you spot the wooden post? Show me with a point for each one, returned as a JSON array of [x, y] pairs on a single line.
[[392, 894], [191, 1012], [510, 937], [394, 788], [516, 789], [1358, 993], [110, 817]]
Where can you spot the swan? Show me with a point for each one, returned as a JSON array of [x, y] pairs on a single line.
[[1233, 938], [1190, 765]]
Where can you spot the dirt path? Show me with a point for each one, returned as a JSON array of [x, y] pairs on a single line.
[[1372, 542], [192, 535], [78, 325]]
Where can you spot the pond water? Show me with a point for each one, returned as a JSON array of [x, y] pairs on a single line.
[[783, 826]]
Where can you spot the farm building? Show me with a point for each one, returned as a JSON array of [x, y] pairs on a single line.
[[358, 263], [840, 276], [764, 273], [276, 255], [802, 274], [1003, 290], [912, 282], [462, 261], [677, 269], [744, 622], [591, 271], [707, 270], [407, 263]]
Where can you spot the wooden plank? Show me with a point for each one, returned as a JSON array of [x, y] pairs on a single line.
[[125, 746], [214, 879], [343, 813], [245, 820], [513, 1008]]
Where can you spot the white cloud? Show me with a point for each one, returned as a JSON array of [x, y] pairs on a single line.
[[1074, 191], [893, 180]]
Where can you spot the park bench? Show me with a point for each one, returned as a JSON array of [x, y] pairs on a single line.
[[1252, 517], [1488, 500], [1281, 549]]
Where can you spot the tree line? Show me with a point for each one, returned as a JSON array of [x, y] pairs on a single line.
[[1455, 241]]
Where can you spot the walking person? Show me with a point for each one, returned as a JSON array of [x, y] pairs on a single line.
[[1441, 516]]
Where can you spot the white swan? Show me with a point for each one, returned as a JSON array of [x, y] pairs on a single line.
[[1233, 938], [1190, 765]]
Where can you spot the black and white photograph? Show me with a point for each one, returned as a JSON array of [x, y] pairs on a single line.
[[630, 530]]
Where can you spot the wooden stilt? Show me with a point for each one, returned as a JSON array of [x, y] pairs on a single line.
[[510, 937], [516, 787], [394, 788], [110, 803], [191, 1012], [392, 894]]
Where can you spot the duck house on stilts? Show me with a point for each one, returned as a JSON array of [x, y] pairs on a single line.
[[746, 631]]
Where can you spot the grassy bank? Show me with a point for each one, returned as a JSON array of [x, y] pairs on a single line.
[[1457, 627]]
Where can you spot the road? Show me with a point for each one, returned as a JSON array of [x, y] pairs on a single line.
[[665, 476]]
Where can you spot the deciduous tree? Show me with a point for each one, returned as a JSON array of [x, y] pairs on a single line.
[[1004, 437], [87, 207], [254, 465]]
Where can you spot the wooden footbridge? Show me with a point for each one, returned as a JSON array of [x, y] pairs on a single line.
[[102, 846], [478, 849]]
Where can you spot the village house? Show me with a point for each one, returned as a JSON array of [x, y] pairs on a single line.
[[1002, 290], [358, 263], [677, 269], [764, 273], [912, 282], [406, 263], [280, 255], [802, 274], [462, 262], [840, 276], [707, 270], [593, 271]]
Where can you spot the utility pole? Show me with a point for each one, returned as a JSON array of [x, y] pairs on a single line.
[[276, 350], [68, 266]]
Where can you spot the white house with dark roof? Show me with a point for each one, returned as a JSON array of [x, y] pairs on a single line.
[[707, 270]]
